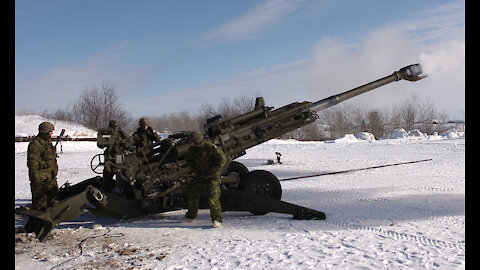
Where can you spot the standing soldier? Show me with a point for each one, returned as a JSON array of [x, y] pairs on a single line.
[[205, 160], [144, 134], [42, 168]]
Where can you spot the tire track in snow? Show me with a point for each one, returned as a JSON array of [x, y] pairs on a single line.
[[362, 199], [373, 199], [436, 189], [400, 236]]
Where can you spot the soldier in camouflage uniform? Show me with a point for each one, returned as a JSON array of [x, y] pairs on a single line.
[[120, 143], [42, 168], [205, 160], [144, 134]]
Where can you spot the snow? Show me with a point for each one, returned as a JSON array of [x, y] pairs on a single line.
[[400, 217], [27, 125]]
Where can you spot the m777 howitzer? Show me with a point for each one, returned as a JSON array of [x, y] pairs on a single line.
[[150, 180]]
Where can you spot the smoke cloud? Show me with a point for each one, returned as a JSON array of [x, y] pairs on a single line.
[[336, 67]]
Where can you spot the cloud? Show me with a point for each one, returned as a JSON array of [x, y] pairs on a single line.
[[437, 24], [253, 21]]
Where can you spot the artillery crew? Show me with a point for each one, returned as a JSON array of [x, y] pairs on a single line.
[[144, 134], [43, 168], [205, 160]]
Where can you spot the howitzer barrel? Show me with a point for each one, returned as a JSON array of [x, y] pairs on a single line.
[[409, 73]]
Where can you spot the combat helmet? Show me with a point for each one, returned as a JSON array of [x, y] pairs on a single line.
[[45, 127], [113, 124], [143, 122], [195, 137]]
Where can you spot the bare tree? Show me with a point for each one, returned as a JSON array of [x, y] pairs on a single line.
[[175, 122], [206, 111], [375, 124], [413, 113], [310, 132], [228, 108], [343, 119], [62, 114], [97, 106], [183, 121]]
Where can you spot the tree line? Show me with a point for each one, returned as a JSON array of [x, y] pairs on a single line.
[[96, 106], [411, 113]]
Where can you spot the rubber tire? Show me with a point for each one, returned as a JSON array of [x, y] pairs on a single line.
[[262, 182], [237, 167]]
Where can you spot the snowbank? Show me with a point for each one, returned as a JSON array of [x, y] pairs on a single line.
[[453, 134], [399, 134], [417, 134], [27, 125], [350, 138], [365, 136]]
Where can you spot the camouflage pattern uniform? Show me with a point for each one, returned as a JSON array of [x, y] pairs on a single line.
[[205, 160], [144, 134], [42, 168], [110, 153]]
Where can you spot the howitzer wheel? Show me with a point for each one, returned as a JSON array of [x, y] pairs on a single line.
[[97, 162], [237, 167], [263, 183], [237, 171]]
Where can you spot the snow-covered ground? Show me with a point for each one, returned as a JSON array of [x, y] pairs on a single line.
[[401, 217]]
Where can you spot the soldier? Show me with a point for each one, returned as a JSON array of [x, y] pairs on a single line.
[[205, 160], [144, 134], [42, 168], [121, 141]]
